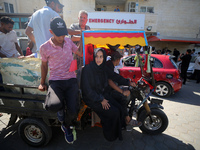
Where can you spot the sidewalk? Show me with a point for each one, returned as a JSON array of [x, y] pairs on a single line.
[[183, 132]]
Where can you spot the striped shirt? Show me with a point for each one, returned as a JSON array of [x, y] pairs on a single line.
[[59, 59]]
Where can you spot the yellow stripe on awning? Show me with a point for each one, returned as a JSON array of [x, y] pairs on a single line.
[[113, 41]]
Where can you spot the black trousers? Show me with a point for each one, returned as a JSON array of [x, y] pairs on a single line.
[[110, 119], [63, 95], [184, 74], [122, 100]]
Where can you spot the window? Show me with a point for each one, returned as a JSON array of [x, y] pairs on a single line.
[[11, 8], [150, 9], [157, 63], [16, 25], [23, 23], [143, 9], [146, 9], [133, 7], [20, 22], [8, 8]]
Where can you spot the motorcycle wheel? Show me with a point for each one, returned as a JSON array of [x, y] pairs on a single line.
[[159, 124], [34, 132]]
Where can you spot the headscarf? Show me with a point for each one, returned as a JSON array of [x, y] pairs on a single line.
[[100, 71], [102, 66]]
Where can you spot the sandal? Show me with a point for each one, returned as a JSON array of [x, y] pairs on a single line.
[[135, 123]]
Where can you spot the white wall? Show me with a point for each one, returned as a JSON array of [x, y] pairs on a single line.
[[72, 8]]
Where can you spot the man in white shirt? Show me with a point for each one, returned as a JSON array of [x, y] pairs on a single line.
[[39, 25], [8, 37]]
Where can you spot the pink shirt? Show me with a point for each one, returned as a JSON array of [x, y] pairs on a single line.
[[59, 59]]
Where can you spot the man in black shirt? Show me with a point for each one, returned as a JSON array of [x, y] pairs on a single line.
[[176, 53], [185, 64]]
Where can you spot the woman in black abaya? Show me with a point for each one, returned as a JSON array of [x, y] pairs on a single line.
[[94, 81]]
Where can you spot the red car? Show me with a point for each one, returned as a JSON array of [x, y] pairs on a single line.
[[166, 73]]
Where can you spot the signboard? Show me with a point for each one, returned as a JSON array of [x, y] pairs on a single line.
[[116, 20]]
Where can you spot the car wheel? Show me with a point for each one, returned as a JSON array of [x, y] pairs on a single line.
[[163, 89]]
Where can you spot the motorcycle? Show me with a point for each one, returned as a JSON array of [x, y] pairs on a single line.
[[147, 110]]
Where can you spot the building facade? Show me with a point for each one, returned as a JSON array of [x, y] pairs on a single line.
[[171, 23]]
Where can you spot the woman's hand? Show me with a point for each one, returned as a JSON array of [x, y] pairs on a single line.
[[105, 104]]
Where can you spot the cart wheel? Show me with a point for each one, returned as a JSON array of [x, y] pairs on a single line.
[[34, 132]]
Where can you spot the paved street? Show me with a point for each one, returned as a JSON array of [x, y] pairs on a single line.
[[183, 132]]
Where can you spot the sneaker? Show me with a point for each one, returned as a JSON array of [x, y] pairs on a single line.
[[60, 117], [135, 123], [129, 128], [69, 138]]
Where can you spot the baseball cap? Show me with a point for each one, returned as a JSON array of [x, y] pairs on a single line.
[[55, 1], [58, 26]]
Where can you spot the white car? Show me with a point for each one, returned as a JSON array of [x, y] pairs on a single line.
[[23, 43]]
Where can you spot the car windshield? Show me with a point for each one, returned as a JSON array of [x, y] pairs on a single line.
[[129, 61]]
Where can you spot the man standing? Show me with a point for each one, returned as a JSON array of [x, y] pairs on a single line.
[[185, 64], [153, 50], [39, 25], [81, 25], [8, 39], [197, 68], [176, 53], [193, 52]]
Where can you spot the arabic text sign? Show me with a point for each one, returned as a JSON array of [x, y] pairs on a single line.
[[116, 20]]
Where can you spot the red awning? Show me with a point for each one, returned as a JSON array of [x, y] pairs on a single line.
[[173, 39]]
